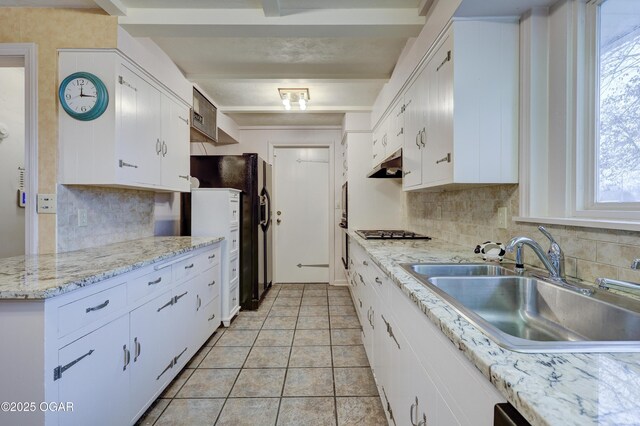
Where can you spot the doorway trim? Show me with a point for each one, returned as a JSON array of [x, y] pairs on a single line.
[[332, 225], [29, 51]]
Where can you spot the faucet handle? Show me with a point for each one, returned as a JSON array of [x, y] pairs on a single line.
[[635, 264], [547, 234]]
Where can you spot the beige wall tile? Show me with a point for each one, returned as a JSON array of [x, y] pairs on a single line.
[[589, 271], [617, 254]]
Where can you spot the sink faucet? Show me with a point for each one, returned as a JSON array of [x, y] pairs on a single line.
[[553, 259]]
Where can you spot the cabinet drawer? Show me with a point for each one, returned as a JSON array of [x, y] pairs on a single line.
[[234, 242], [80, 313], [212, 312], [234, 211], [233, 269], [210, 284], [234, 296], [210, 258], [150, 283]]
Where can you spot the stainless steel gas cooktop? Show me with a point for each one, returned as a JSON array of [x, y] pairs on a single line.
[[390, 234]]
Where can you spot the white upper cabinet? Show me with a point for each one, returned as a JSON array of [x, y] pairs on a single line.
[[461, 126], [141, 140]]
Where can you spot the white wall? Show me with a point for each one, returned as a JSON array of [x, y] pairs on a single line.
[[261, 141], [12, 104]]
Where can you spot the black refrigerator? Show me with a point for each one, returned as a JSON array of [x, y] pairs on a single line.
[[251, 175]]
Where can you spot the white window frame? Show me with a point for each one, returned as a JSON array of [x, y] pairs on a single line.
[[586, 205], [558, 122]]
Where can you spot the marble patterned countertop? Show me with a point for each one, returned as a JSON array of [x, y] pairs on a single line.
[[50, 275], [547, 389]]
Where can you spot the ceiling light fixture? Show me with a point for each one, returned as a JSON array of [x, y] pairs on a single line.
[[298, 95]]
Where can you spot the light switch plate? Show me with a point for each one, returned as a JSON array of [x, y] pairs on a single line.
[[46, 204], [502, 217]]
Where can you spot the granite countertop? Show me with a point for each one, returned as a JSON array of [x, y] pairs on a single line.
[[548, 389], [49, 275]]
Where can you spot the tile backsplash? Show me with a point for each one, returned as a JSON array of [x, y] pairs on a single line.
[[113, 215], [470, 216]]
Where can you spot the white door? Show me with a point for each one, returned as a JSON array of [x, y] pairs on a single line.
[[301, 191]]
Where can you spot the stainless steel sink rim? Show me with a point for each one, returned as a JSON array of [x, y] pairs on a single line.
[[518, 344]]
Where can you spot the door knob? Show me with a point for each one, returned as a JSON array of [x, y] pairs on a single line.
[[278, 221]]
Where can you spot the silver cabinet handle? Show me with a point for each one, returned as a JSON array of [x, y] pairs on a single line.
[[164, 149], [185, 177], [57, 372], [189, 266], [167, 368], [212, 283], [378, 280], [417, 143], [180, 297], [389, 410], [390, 331], [444, 61], [175, 360], [198, 302], [155, 282], [122, 81], [365, 263], [186, 120], [408, 172], [158, 147], [98, 307], [169, 303], [137, 348], [127, 357], [211, 317], [360, 301], [446, 159], [423, 136], [213, 255], [123, 164], [401, 131], [412, 409]]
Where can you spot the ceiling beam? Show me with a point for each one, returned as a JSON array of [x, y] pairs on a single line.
[[291, 79], [424, 6], [253, 23], [112, 7], [271, 8]]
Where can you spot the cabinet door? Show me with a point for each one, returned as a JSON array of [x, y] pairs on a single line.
[[184, 328], [412, 149], [175, 145], [396, 132], [139, 133], [94, 375], [150, 352], [438, 159]]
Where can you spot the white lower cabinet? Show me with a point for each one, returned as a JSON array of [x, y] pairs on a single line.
[[421, 377], [98, 361], [112, 347], [149, 325]]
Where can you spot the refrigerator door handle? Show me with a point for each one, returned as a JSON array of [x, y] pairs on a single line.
[[267, 222]]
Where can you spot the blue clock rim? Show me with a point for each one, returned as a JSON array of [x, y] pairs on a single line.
[[102, 100]]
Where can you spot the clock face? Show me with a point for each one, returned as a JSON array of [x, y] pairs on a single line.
[[83, 96]]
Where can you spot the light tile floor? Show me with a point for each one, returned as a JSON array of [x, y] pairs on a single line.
[[298, 360]]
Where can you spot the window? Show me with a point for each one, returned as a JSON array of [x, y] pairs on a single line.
[[617, 136]]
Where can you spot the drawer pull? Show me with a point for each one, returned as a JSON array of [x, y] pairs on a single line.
[[365, 263], [389, 410], [199, 304], [211, 317], [57, 372], [378, 280], [214, 255], [127, 357], [189, 266], [446, 159], [100, 306], [123, 164], [423, 422], [390, 331], [138, 349], [167, 368], [155, 282], [212, 283], [175, 360], [185, 177]]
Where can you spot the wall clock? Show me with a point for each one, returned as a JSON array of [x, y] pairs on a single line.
[[83, 96]]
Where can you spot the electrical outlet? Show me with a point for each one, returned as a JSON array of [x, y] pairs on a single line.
[[502, 217], [82, 217]]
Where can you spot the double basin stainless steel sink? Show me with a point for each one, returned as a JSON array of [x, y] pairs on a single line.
[[529, 314]]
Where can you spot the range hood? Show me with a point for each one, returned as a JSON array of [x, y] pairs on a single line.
[[390, 168]]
